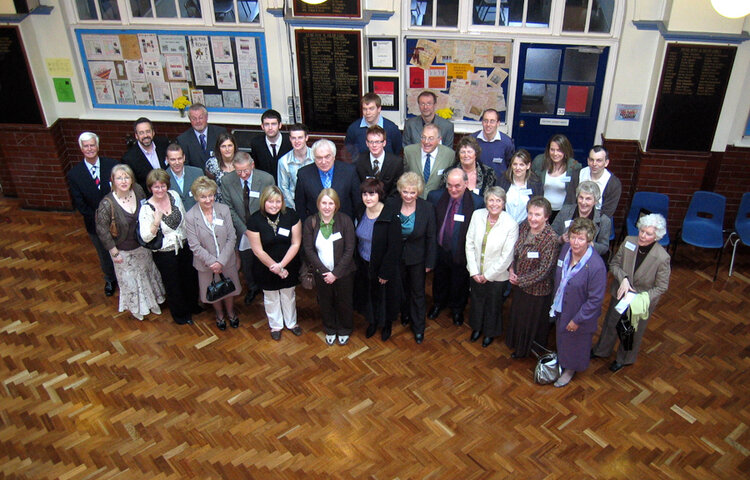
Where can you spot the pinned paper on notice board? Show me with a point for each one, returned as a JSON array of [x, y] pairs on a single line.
[[64, 90]]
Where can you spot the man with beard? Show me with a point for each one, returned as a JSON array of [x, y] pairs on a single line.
[[147, 153]]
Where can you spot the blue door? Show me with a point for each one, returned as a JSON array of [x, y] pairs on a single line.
[[559, 90]]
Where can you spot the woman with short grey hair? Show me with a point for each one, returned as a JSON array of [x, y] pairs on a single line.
[[587, 196]]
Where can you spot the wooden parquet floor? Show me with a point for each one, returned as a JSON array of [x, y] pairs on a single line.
[[87, 393]]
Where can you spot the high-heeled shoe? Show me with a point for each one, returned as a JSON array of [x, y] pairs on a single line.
[[234, 322], [474, 335], [221, 324]]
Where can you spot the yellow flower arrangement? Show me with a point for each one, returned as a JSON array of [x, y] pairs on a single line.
[[446, 113], [181, 103]]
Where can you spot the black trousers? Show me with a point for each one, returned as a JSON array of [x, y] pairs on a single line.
[[335, 302], [105, 260], [487, 307], [450, 284], [247, 258], [378, 303], [413, 296], [180, 282]]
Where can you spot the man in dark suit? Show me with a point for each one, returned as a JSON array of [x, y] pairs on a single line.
[[378, 163], [89, 182], [199, 142], [454, 206], [147, 153], [326, 172], [268, 148], [240, 191], [181, 176]]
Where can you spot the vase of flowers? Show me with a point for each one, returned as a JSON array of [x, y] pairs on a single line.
[[181, 103]]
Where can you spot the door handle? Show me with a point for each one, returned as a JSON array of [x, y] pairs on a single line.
[[522, 123]]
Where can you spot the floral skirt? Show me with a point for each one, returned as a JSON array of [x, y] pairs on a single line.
[[141, 288]]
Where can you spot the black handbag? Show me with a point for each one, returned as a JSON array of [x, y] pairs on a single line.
[[625, 331], [220, 289], [156, 242]]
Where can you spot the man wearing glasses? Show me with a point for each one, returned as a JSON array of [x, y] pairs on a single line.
[[497, 147], [377, 163], [428, 158], [427, 102]]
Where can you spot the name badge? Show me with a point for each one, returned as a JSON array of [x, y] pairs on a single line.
[[532, 255], [630, 246], [566, 179], [440, 172], [254, 194], [336, 236], [190, 194], [567, 223], [458, 217], [476, 191], [284, 232], [218, 222], [497, 160], [559, 263], [526, 191]]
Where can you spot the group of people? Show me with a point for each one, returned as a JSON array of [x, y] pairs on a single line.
[[175, 221]]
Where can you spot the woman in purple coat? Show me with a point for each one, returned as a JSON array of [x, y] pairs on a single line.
[[580, 283]]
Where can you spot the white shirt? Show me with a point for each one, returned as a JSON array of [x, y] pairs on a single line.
[[151, 156], [324, 246], [379, 159], [585, 174]]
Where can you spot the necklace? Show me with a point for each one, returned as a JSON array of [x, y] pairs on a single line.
[[125, 199]]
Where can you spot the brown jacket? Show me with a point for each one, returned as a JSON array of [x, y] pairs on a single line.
[[343, 249], [104, 217]]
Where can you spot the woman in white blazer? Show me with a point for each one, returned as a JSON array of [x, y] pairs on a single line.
[[489, 252]]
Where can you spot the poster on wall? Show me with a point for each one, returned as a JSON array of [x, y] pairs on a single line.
[[150, 69], [467, 76]]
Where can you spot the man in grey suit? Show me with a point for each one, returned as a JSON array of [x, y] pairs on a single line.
[[240, 191], [199, 142], [181, 176], [413, 127], [428, 158]]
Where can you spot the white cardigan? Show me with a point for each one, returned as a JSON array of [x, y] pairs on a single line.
[[173, 239], [498, 253]]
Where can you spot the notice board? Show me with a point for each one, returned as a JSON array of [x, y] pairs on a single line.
[[18, 100], [149, 69], [467, 76], [329, 66], [691, 93]]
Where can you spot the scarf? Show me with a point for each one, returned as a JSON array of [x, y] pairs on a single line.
[[326, 228], [567, 274]]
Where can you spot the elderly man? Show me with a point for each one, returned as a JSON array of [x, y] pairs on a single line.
[[289, 164], [454, 207], [356, 134], [240, 191], [148, 153], [413, 127], [326, 172], [428, 158], [378, 163], [199, 142], [88, 181], [597, 172], [497, 147], [181, 176], [272, 145]]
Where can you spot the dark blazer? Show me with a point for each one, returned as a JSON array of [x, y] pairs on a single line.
[[470, 202], [532, 183], [232, 195], [390, 171], [343, 249], [420, 246], [345, 182], [190, 175], [194, 154], [136, 160], [385, 255], [83, 191], [262, 156]]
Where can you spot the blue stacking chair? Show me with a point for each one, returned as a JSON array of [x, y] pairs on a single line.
[[741, 231], [704, 223], [650, 202]]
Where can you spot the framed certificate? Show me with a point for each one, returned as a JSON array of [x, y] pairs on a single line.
[[381, 53]]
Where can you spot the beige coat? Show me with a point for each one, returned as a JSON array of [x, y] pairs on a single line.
[[201, 240], [651, 277]]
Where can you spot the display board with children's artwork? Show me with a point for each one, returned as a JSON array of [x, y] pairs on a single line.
[[225, 71], [467, 76]]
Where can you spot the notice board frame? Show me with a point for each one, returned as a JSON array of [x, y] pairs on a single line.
[[262, 65]]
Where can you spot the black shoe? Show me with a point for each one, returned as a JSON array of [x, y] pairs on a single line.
[[405, 320], [515, 355], [371, 329], [419, 338], [234, 322], [386, 333], [197, 309], [486, 342], [222, 324], [109, 288], [251, 295], [458, 318], [615, 367], [434, 312], [593, 355], [474, 335], [189, 321]]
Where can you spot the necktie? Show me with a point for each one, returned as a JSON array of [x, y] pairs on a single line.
[[375, 167], [448, 224], [327, 179], [203, 141], [96, 177], [426, 171], [246, 190], [273, 147]]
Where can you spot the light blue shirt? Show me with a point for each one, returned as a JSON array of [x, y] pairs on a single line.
[[287, 174], [364, 123]]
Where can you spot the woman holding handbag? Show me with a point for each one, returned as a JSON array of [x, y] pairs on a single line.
[[211, 237]]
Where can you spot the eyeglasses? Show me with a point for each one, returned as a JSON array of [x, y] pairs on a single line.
[[122, 179], [429, 139], [243, 171], [374, 142]]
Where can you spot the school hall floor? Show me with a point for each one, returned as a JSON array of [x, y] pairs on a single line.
[[89, 393]]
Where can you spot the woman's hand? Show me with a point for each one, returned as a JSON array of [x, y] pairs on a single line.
[[382, 281], [564, 238], [283, 273], [276, 268], [215, 267], [479, 278], [329, 277], [116, 257], [625, 287], [427, 270], [572, 326], [512, 276]]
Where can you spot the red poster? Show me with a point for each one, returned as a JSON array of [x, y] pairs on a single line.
[[578, 97], [416, 77]]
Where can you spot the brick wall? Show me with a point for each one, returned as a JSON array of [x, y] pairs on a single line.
[[733, 180]]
